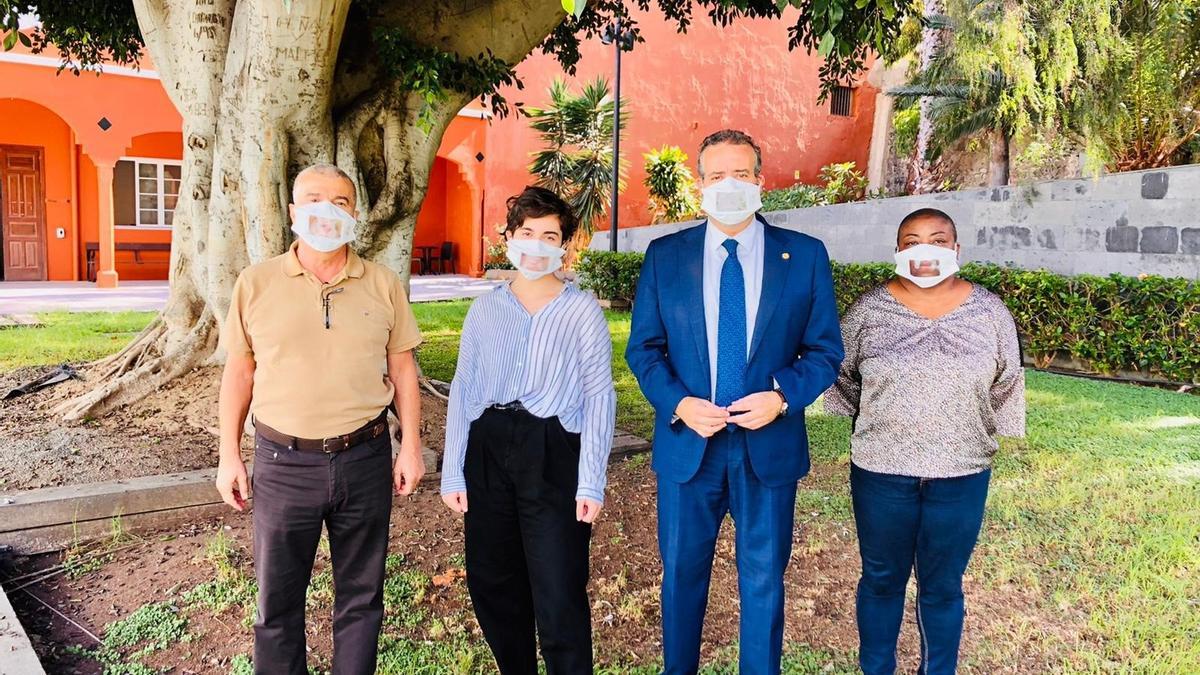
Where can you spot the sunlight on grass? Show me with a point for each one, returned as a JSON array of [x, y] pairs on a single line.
[[1172, 422], [1095, 516], [68, 337], [1088, 511]]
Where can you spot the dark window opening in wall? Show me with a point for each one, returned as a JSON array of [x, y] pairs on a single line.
[[841, 101], [145, 191]]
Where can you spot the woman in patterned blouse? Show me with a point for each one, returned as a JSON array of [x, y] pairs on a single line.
[[932, 376]]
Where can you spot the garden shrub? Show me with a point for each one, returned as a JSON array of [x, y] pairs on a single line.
[[671, 185], [843, 183], [611, 276], [1147, 325], [496, 256]]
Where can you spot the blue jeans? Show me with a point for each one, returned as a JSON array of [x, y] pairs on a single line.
[[906, 523]]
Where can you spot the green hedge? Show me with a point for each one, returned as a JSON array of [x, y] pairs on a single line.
[[1148, 325], [611, 276]]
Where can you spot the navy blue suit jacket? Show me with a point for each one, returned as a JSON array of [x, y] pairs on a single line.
[[796, 343]]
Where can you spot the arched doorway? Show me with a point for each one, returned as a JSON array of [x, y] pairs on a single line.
[[448, 224], [37, 214]]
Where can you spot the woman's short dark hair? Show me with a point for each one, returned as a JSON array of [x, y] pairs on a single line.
[[928, 213], [536, 202]]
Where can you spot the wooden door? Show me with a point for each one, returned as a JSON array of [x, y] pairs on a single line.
[[22, 213]]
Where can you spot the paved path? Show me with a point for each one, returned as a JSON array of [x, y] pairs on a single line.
[[31, 297], [16, 653]]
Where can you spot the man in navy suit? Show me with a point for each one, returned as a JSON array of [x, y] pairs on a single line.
[[735, 331]]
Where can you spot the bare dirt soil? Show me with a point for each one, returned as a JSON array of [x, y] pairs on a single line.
[[624, 591], [173, 429]]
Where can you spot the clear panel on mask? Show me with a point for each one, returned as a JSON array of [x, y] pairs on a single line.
[[331, 228], [534, 263], [925, 268], [730, 201]]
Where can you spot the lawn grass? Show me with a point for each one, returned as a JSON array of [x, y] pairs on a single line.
[[1097, 512], [441, 323], [66, 337], [1100, 510]]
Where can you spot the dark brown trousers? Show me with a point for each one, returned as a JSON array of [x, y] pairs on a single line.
[[295, 494]]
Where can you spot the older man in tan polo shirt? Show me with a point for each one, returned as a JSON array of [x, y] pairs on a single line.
[[319, 342]]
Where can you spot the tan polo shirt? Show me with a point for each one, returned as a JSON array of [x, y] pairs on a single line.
[[311, 381]]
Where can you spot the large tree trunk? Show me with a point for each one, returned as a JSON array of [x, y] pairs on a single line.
[[999, 159], [264, 92]]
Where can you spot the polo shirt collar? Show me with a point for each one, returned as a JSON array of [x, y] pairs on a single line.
[[354, 264]]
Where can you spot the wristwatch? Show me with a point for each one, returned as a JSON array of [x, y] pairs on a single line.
[[783, 410]]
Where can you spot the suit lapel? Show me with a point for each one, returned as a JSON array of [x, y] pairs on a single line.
[[691, 267], [776, 264]]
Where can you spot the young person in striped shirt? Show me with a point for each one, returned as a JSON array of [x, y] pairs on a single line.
[[528, 433]]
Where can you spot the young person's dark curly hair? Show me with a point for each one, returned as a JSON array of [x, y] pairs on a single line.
[[536, 202]]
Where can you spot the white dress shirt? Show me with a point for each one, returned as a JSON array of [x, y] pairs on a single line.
[[750, 255]]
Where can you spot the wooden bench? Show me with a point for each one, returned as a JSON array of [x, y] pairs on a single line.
[[93, 250]]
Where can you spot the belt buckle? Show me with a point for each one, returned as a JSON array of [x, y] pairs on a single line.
[[325, 444]]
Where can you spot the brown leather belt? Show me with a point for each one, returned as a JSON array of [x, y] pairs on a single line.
[[368, 432]]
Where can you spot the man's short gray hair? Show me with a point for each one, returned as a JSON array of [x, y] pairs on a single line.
[[324, 169], [732, 137]]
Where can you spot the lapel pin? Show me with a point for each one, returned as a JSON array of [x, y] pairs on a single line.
[[786, 255]]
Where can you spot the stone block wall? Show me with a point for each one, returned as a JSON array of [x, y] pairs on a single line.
[[1142, 222]]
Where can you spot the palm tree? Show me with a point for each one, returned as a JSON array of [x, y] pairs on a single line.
[[1145, 106], [576, 161], [958, 108]]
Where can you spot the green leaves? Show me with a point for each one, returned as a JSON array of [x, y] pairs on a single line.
[[671, 185], [611, 275], [434, 73], [827, 44], [576, 161], [843, 183], [574, 7], [86, 32], [1111, 324]]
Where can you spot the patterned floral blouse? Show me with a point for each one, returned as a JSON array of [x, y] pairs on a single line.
[[929, 396]]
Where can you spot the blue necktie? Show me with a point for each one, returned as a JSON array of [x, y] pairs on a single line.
[[731, 329]]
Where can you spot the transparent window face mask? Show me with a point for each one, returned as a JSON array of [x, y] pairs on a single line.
[[324, 227], [926, 264], [925, 267], [731, 200], [534, 258]]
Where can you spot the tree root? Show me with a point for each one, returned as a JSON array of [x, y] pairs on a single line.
[[141, 368]]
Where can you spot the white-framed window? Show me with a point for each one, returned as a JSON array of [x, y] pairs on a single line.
[[146, 190]]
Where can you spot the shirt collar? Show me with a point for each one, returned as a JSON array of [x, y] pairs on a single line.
[[505, 289], [748, 239], [354, 264]]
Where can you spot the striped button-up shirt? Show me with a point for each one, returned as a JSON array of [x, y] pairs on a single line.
[[556, 362]]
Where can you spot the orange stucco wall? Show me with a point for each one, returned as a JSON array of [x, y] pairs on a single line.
[[462, 221], [678, 89], [154, 264], [60, 112], [431, 221], [29, 124]]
